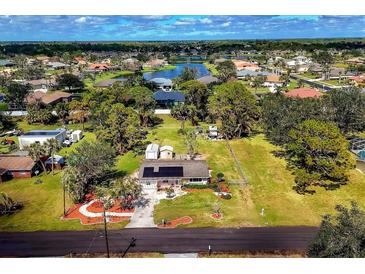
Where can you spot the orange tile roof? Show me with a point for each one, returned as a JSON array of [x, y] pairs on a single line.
[[304, 93], [273, 78]]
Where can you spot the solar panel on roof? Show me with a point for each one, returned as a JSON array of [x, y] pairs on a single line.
[[171, 171]]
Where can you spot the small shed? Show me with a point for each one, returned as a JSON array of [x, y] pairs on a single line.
[[166, 152], [76, 135], [152, 152], [58, 162]]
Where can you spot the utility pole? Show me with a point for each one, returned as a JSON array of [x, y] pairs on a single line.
[[131, 244], [106, 233], [64, 199]]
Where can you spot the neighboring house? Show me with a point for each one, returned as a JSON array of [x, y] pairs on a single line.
[[304, 93], [41, 136], [243, 74], [155, 63], [50, 98], [272, 81], [167, 100], [241, 65], [152, 152], [80, 60], [299, 63], [161, 84], [166, 152], [57, 65], [6, 63], [358, 80], [356, 61], [174, 172], [15, 166], [209, 79], [42, 84], [131, 64], [219, 60], [99, 67]]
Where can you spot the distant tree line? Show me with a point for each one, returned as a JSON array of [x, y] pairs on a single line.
[[58, 48]]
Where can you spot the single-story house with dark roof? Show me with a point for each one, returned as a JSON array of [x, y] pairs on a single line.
[[174, 172], [166, 100], [17, 166]]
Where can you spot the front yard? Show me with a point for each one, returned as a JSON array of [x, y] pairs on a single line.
[[270, 187]]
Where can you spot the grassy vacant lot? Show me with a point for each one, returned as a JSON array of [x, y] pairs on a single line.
[[105, 76], [270, 187], [212, 68]]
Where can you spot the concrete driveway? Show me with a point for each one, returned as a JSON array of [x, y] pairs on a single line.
[[143, 215]]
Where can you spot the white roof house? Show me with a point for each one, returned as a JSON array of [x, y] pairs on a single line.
[[41, 136], [152, 152]]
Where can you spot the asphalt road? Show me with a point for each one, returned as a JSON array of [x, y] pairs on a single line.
[[42, 244]]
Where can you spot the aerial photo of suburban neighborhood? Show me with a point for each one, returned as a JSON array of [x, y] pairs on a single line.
[[181, 136]]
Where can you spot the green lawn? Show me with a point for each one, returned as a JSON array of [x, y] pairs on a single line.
[[105, 76], [334, 82], [309, 75], [43, 203], [270, 187], [212, 68], [168, 67]]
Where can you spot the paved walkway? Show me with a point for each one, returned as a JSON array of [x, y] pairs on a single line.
[[83, 210], [143, 214]]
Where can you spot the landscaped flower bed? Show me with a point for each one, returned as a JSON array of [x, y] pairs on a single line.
[[174, 223], [217, 216], [93, 214]]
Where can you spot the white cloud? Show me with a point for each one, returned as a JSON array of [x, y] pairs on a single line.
[[205, 21], [226, 24], [81, 19]]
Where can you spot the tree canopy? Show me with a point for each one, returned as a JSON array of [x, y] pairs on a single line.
[[342, 235], [235, 107], [319, 154]]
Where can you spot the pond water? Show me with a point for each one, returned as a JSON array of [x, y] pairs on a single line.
[[173, 73]]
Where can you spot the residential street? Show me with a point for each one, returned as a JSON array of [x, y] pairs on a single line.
[[42, 244]]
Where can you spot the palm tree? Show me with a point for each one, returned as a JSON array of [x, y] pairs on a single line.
[[52, 146], [7, 204], [36, 152]]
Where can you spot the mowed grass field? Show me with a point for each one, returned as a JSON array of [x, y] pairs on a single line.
[[270, 187]]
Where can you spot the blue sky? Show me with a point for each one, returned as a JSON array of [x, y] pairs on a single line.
[[103, 28]]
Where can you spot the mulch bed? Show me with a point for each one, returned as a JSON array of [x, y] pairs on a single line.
[[174, 223], [192, 190], [97, 207]]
